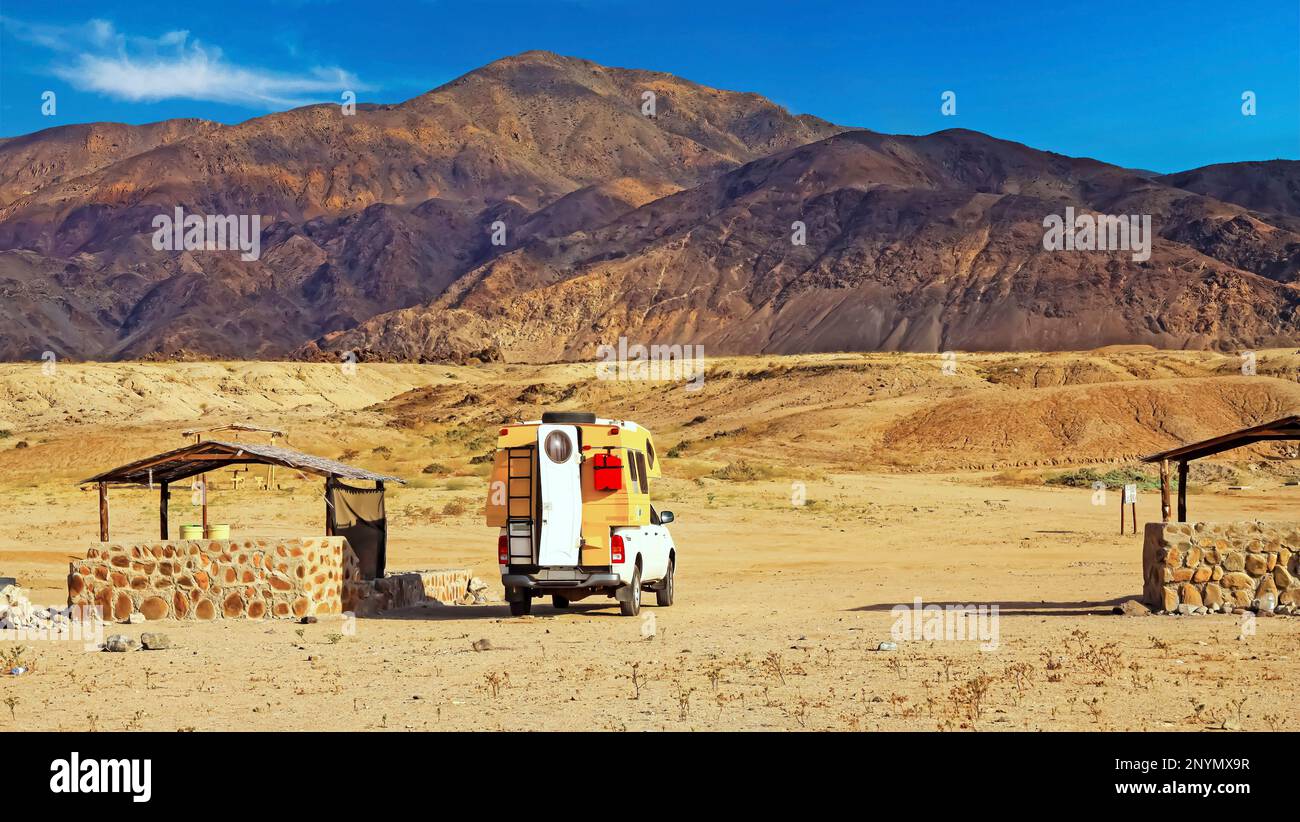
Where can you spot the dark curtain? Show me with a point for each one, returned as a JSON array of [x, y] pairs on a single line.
[[359, 516]]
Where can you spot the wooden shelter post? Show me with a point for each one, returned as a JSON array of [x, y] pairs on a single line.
[[164, 499], [1165, 508], [103, 511], [1182, 490], [329, 506]]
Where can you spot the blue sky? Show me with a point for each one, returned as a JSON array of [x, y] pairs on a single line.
[[1154, 85]]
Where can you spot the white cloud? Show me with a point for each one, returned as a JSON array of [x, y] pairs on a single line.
[[96, 57]]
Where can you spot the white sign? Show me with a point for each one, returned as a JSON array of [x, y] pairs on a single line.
[[1131, 494]]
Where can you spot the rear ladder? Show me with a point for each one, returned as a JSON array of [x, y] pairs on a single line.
[[520, 519]]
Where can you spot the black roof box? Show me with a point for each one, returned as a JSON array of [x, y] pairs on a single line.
[[569, 418]]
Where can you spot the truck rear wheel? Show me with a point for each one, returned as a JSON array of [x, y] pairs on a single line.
[[630, 604], [664, 595], [522, 607]]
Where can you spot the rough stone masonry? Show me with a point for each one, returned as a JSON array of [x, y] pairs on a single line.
[[1218, 566], [215, 579], [251, 578]]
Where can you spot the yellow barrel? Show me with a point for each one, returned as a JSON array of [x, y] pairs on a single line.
[[191, 532], [218, 532]]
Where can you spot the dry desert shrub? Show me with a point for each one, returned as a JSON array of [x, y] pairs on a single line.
[[496, 681], [1106, 659], [774, 666], [968, 698], [798, 712], [1094, 708], [19, 656], [1021, 676], [683, 699], [638, 679], [455, 508], [743, 470]]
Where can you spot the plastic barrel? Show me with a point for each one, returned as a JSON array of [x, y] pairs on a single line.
[[191, 532], [218, 532]]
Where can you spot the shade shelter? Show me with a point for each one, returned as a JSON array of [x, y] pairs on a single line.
[[162, 470], [198, 433], [1286, 428]]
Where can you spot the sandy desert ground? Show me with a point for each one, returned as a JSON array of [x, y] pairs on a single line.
[[918, 483]]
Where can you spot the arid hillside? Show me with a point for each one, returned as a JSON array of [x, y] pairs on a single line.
[[361, 214], [910, 243], [841, 412], [541, 205]]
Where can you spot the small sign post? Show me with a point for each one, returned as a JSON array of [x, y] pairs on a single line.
[[1130, 498]]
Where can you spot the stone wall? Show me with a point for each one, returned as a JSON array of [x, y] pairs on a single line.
[[215, 579], [406, 588], [1220, 566], [252, 578]]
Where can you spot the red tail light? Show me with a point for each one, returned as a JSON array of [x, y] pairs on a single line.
[[503, 550], [616, 549]]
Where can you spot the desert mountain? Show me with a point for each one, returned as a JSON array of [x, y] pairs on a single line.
[[913, 243], [362, 214], [55, 155], [1270, 187], [377, 232]]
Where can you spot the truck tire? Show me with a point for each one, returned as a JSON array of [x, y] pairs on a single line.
[[522, 607], [664, 595], [568, 418], [558, 601], [630, 605]]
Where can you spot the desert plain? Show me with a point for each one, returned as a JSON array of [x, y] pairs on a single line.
[[812, 494]]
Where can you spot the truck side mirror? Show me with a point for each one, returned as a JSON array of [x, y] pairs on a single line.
[[665, 517]]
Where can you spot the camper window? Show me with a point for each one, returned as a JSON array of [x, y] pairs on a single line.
[[641, 474], [631, 466]]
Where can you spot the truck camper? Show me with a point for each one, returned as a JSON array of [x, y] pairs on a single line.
[[570, 497]]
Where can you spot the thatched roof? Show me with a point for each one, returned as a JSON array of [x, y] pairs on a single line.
[[212, 455]]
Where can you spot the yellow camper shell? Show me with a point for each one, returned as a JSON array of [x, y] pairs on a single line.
[[512, 492]]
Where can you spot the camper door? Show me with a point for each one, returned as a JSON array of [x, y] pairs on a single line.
[[558, 455]]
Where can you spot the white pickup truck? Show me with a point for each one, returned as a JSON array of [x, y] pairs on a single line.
[[570, 497]]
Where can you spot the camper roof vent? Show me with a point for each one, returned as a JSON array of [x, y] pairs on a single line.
[[569, 418]]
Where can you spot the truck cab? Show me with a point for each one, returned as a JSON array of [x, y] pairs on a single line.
[[570, 497]]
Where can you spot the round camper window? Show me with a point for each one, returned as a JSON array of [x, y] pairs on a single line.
[[558, 446]]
